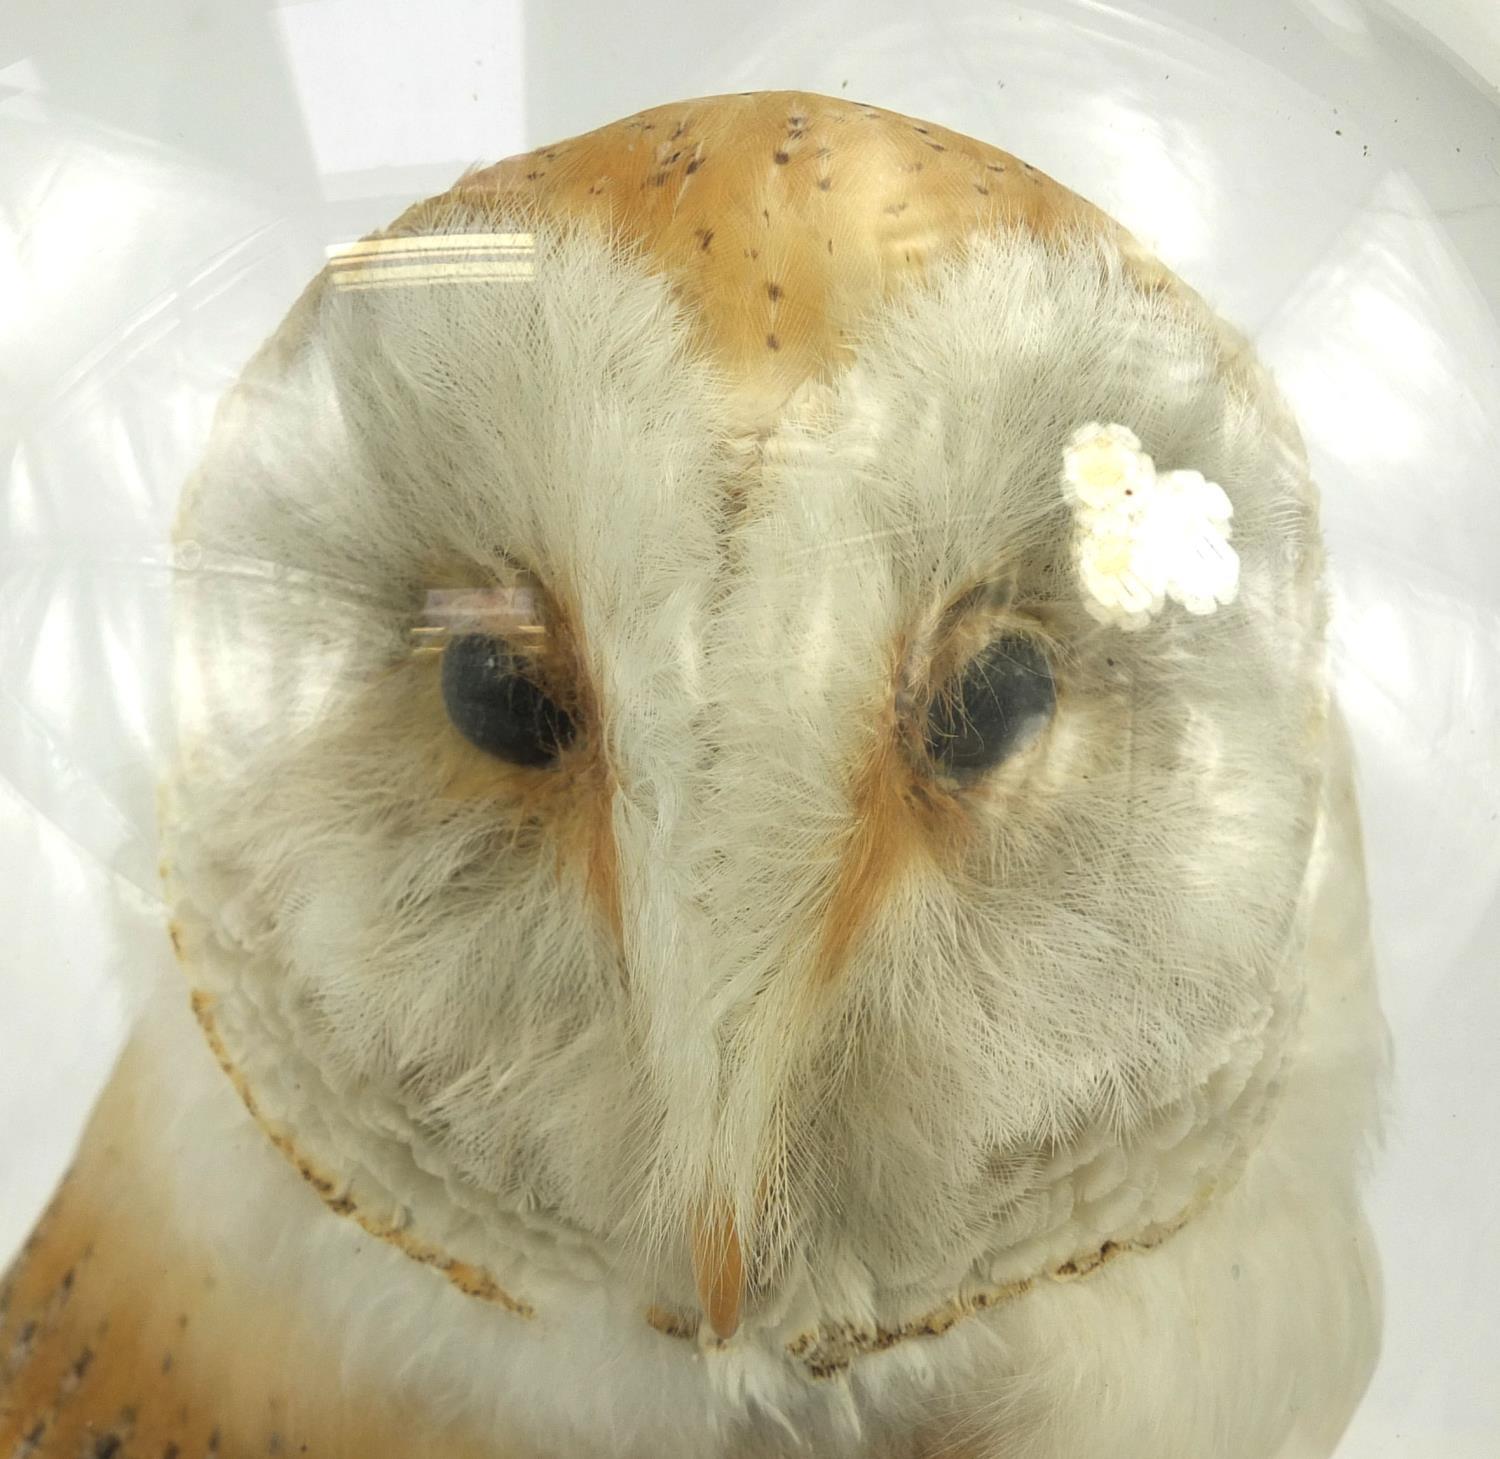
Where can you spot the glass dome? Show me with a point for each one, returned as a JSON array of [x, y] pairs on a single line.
[[1325, 172]]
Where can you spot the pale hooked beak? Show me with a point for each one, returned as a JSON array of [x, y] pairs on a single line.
[[718, 1267]]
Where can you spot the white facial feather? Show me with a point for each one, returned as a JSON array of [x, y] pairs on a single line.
[[1057, 1027]]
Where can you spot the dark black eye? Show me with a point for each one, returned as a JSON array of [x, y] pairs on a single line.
[[495, 706], [997, 704]]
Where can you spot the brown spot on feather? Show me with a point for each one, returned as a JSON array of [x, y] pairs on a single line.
[[673, 1324]]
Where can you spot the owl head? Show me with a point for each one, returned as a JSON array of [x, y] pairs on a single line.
[[666, 795]]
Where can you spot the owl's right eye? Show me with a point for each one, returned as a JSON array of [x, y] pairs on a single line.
[[495, 706]]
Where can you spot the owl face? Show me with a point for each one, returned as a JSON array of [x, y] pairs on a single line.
[[741, 853]]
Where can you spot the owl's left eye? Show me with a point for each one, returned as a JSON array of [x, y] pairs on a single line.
[[995, 705], [494, 704]]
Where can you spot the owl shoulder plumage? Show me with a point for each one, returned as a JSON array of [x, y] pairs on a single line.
[[164, 1305]]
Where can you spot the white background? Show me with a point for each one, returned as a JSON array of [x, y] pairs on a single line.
[[1326, 171]]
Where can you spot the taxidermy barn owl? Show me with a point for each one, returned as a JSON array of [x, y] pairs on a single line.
[[759, 850]]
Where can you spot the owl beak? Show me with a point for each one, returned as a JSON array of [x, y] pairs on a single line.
[[718, 1267]]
